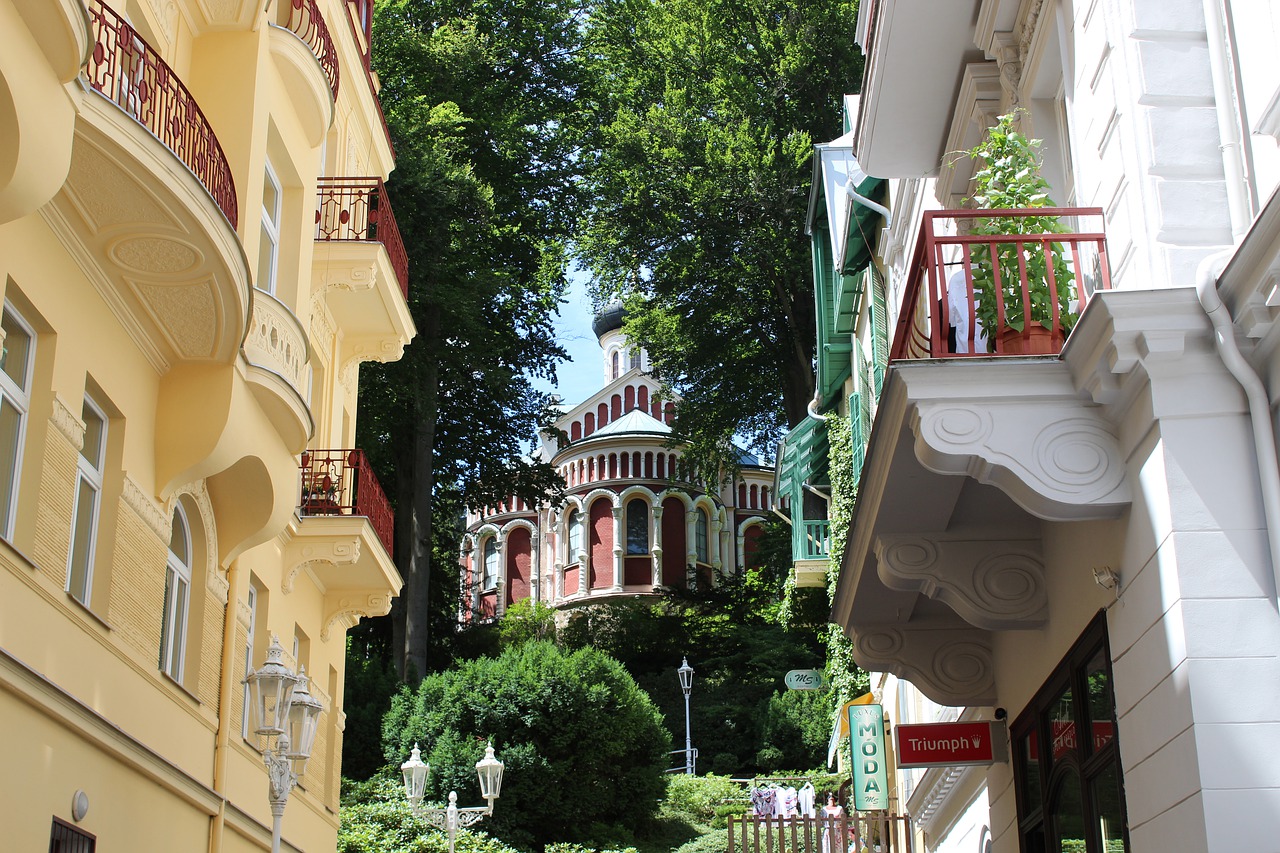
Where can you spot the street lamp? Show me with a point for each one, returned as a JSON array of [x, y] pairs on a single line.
[[415, 771], [282, 710], [686, 684]]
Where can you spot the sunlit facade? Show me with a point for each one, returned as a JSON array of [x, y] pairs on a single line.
[[196, 255]]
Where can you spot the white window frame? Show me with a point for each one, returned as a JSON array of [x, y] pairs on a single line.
[[574, 524], [248, 658], [489, 580], [647, 544], [18, 396], [88, 471], [271, 226], [702, 535], [172, 643]]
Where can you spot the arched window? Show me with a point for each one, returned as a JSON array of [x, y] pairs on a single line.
[[177, 594], [574, 523], [490, 563], [637, 526], [700, 536], [635, 358], [614, 362]]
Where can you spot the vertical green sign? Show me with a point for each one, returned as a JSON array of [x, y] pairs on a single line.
[[866, 741]]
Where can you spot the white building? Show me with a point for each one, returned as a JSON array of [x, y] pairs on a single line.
[[1088, 538]]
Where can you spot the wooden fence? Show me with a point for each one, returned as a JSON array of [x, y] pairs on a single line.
[[859, 832]]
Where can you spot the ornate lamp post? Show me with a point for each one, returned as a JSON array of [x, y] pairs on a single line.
[[282, 710], [415, 771], [686, 684]]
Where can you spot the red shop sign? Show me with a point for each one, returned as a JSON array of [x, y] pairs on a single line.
[[949, 744]]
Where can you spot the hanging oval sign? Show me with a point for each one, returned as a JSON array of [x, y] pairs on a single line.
[[805, 679]]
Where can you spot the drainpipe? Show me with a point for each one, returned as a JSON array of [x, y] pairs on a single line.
[[1264, 439], [813, 407], [1221, 65], [866, 202], [222, 746]]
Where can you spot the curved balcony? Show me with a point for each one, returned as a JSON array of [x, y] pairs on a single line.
[[306, 22], [276, 349], [127, 71], [149, 208]]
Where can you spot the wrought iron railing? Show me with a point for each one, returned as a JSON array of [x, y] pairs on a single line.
[[340, 482], [1014, 293], [358, 209], [308, 24], [125, 69]]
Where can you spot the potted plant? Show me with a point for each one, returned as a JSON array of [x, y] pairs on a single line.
[[1009, 178]]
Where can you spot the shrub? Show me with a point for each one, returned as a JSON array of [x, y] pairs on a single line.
[[584, 748], [700, 796], [715, 841]]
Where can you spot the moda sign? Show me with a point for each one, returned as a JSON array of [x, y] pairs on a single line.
[[949, 744], [866, 742]]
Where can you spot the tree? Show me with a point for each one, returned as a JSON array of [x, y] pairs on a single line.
[[699, 176], [479, 99], [584, 747]]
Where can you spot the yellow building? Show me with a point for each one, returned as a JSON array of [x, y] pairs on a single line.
[[196, 254]]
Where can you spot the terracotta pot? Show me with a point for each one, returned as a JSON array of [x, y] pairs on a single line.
[[1035, 339]]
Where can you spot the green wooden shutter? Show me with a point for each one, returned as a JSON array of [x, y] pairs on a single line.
[[879, 329]]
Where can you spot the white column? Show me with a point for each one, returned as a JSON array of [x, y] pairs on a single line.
[[617, 548], [535, 569], [500, 592], [691, 544], [656, 548]]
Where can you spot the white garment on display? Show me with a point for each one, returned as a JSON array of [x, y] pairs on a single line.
[[958, 314], [806, 794]]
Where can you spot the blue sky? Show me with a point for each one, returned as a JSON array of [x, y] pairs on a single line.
[[581, 375]]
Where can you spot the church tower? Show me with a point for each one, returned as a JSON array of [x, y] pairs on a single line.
[[635, 519]]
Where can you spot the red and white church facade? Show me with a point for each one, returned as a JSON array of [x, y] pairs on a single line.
[[635, 520]]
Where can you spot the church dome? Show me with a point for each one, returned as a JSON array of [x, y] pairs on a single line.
[[609, 318]]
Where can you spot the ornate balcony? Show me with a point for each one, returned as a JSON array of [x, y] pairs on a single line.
[[357, 209], [1045, 278], [341, 482], [277, 351], [305, 20], [341, 538], [127, 71]]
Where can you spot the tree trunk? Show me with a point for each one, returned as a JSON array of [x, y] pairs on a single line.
[[418, 599], [403, 454]]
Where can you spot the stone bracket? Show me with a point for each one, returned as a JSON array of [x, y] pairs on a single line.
[[336, 551], [950, 665], [348, 607], [994, 585]]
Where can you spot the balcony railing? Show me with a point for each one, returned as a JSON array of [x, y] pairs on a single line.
[[815, 543], [340, 482], [125, 69], [358, 209], [1043, 271], [308, 24]]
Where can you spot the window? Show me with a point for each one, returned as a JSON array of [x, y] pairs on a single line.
[[16, 358], [177, 592], [637, 527], [614, 363], [65, 838], [269, 245], [1070, 795], [700, 536], [574, 523], [490, 563], [84, 525], [635, 359], [248, 656]]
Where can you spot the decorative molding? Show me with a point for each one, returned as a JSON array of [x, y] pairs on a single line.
[[952, 666], [218, 586], [996, 585], [368, 350], [323, 327], [68, 422], [349, 608], [244, 615], [337, 552], [147, 508], [1057, 459], [356, 278]]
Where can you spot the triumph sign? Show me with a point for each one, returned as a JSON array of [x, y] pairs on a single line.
[[949, 744], [866, 742]]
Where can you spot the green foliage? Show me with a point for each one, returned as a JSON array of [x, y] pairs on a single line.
[[376, 819], [1009, 178], [699, 173], [371, 681], [527, 620], [798, 724], [715, 841], [848, 681], [699, 797], [584, 748]]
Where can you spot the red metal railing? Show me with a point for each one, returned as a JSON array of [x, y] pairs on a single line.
[[308, 24], [340, 482], [1043, 279], [358, 209], [125, 69]]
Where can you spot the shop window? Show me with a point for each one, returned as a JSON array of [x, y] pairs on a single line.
[[16, 359], [65, 838], [1070, 792], [88, 498], [637, 527], [177, 597]]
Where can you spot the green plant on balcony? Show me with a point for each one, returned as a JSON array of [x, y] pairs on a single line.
[[1009, 178]]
